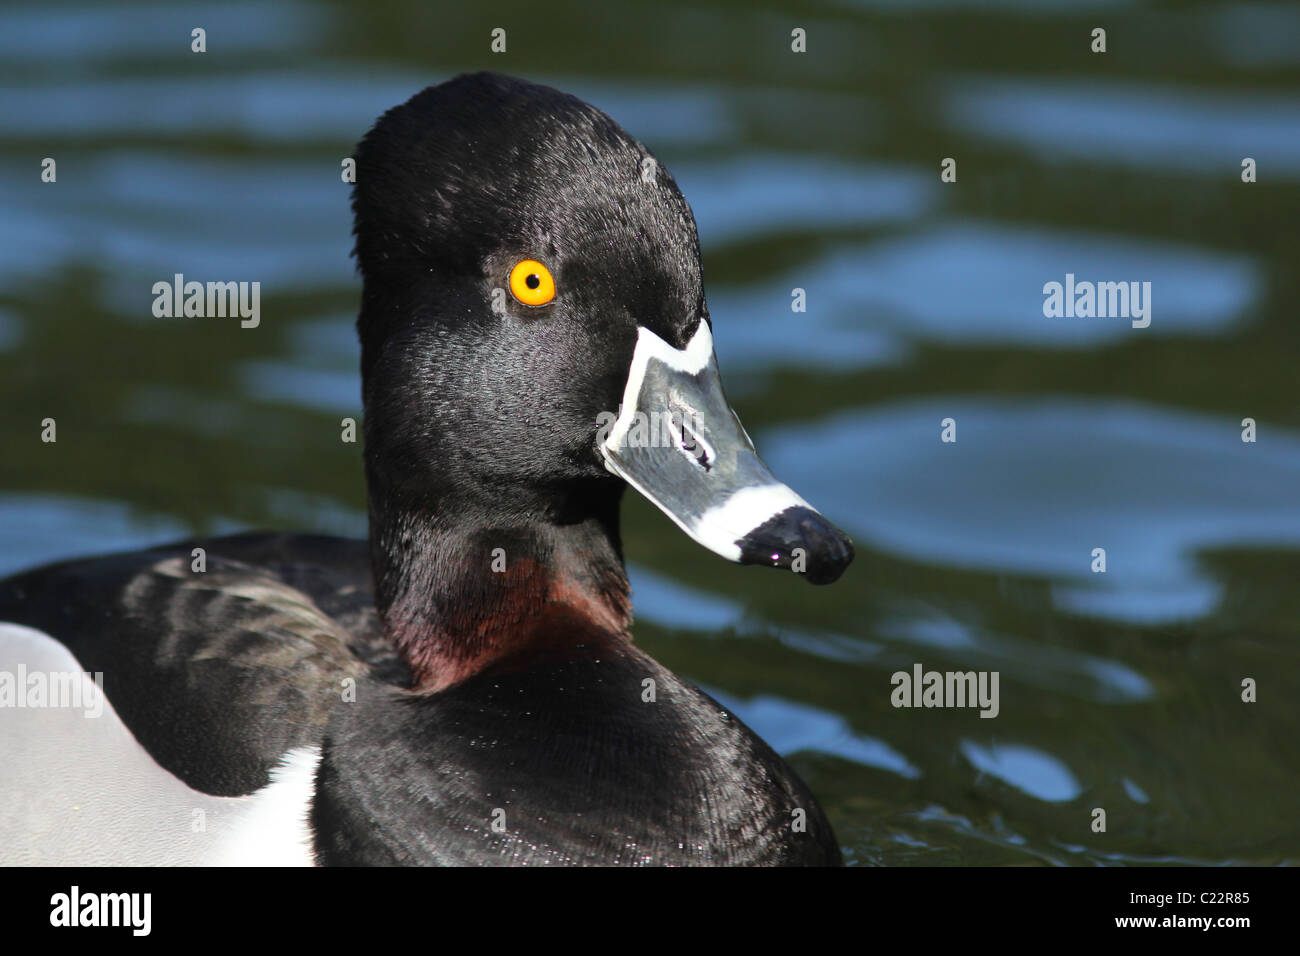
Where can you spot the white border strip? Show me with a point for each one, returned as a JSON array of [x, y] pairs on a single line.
[[691, 360]]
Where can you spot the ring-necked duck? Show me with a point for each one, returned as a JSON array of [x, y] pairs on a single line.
[[534, 337]]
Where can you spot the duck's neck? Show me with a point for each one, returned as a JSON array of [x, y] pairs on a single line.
[[460, 589]]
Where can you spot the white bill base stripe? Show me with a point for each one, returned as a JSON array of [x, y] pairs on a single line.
[[692, 360], [723, 525]]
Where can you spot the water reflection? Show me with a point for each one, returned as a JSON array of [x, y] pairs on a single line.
[[1113, 122], [976, 283], [1034, 487], [765, 194], [924, 302], [1038, 774]]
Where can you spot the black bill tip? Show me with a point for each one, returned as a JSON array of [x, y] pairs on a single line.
[[801, 540]]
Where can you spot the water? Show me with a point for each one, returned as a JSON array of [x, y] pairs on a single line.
[[1118, 690]]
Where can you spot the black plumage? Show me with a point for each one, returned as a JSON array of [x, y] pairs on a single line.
[[493, 717]]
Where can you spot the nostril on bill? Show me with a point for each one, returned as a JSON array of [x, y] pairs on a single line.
[[692, 445], [688, 441]]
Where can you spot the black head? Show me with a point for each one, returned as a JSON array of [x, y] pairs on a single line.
[[491, 398], [466, 387]]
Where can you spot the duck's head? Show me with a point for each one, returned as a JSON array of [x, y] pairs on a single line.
[[535, 333]]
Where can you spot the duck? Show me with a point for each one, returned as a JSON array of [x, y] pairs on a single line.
[[462, 688]]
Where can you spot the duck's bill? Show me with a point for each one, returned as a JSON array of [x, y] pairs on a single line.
[[678, 442]]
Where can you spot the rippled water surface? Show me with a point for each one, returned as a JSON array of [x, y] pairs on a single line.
[[1119, 690]]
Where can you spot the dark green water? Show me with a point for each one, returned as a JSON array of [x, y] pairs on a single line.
[[820, 171]]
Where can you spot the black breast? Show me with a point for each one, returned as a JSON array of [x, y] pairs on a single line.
[[565, 763], [544, 761]]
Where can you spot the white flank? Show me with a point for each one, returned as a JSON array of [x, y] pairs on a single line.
[[79, 790]]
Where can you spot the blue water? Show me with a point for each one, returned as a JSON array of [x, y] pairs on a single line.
[[924, 303]]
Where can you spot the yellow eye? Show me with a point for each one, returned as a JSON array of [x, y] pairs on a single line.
[[531, 283]]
